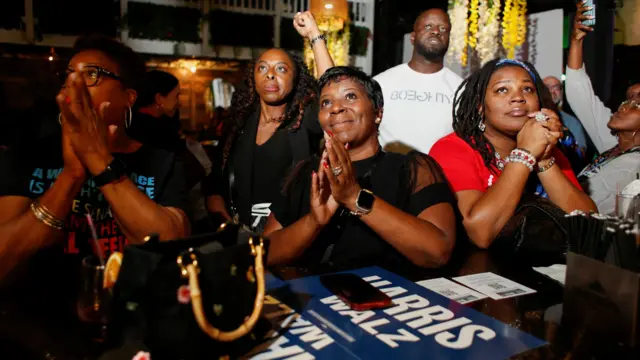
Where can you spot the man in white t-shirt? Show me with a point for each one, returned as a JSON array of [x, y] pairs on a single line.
[[418, 96]]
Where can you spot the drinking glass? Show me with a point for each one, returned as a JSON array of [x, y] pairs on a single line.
[[628, 206], [93, 298]]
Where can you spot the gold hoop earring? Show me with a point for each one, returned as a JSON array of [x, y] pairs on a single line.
[[127, 121], [60, 118]]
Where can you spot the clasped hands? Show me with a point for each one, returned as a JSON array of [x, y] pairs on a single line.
[[85, 136], [334, 184], [540, 137]]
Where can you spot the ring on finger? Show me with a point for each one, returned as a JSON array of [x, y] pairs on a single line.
[[541, 117], [337, 170]]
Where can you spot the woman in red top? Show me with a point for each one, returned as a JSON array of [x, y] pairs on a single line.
[[501, 131]]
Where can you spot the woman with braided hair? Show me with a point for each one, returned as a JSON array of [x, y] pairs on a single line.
[[275, 124], [505, 127]]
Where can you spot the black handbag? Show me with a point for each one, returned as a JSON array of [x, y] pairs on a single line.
[[190, 298], [537, 232]]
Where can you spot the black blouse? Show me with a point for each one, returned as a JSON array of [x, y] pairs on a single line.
[[236, 181], [412, 183]]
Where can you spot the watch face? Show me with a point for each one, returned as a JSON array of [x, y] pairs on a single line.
[[365, 200]]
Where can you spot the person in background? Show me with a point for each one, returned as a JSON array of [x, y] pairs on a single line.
[[362, 205], [614, 135], [157, 119], [571, 122], [418, 95], [94, 169], [615, 168], [504, 145], [197, 206], [157, 123], [593, 114], [275, 126]]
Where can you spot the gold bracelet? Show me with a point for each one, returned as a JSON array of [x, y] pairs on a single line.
[[45, 216], [50, 215]]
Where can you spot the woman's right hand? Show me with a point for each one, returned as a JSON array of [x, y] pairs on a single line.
[[579, 29], [322, 205], [72, 163], [306, 25]]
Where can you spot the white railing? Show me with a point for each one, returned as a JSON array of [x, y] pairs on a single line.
[[178, 3], [362, 15]]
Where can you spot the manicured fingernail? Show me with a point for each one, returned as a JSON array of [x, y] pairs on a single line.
[[346, 146], [330, 133], [313, 173], [325, 165]]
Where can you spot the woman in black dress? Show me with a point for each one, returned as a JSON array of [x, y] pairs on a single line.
[[275, 125], [362, 205]]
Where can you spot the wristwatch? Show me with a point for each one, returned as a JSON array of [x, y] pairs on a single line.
[[114, 171], [364, 202]]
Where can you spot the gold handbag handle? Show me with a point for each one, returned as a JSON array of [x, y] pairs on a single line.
[[191, 270]]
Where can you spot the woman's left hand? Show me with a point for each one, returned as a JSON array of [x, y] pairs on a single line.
[[87, 132], [306, 25], [554, 131], [344, 186]]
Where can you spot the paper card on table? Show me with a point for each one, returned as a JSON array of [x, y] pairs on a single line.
[[451, 290], [494, 286], [557, 272]]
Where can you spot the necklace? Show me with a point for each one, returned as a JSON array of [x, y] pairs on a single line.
[[499, 162], [605, 158], [275, 119]]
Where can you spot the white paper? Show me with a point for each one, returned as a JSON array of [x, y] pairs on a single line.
[[557, 272], [494, 286], [451, 290]]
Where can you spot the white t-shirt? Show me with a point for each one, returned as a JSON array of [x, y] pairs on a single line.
[[417, 107]]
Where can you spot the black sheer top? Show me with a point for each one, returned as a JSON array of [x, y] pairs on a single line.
[[412, 183]]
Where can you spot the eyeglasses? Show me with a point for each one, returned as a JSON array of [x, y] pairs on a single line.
[[91, 75], [631, 103]]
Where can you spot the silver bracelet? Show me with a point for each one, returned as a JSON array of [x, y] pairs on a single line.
[[319, 37]]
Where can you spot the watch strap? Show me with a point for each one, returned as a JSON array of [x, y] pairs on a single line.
[[114, 171], [360, 209]]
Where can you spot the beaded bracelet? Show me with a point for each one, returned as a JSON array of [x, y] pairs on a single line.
[[552, 161], [523, 157]]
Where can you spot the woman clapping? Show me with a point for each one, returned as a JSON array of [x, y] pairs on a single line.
[[361, 205]]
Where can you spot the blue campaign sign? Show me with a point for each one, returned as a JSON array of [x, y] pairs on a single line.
[[309, 322]]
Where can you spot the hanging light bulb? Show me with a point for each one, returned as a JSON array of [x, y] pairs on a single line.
[[331, 15]]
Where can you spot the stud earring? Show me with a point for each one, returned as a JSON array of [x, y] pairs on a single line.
[[378, 120]]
